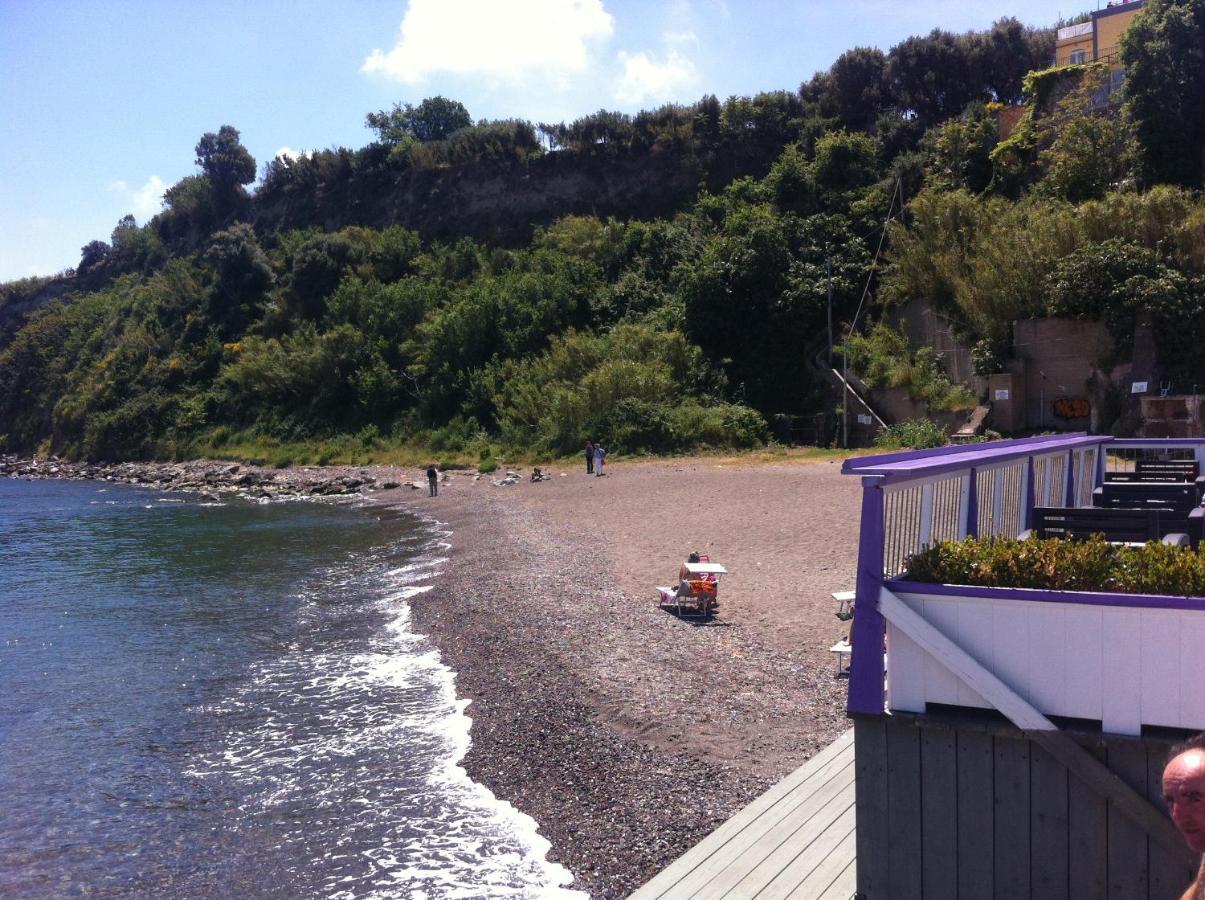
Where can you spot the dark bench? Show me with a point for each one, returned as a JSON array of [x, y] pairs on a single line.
[[1154, 478], [1185, 469], [1178, 504], [1130, 526], [1175, 471], [1175, 495]]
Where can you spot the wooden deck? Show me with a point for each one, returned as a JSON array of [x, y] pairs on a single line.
[[796, 841]]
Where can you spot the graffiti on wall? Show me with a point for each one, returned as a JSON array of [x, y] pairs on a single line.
[[1072, 408]]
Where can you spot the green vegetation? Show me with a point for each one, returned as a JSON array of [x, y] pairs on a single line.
[[1061, 565], [885, 359], [438, 293], [911, 434]]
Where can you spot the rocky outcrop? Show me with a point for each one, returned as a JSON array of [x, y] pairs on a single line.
[[201, 477]]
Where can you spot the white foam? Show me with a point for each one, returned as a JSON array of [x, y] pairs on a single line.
[[321, 725]]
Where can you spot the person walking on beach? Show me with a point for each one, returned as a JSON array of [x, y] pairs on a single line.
[[433, 480], [589, 458], [600, 460], [1184, 794]]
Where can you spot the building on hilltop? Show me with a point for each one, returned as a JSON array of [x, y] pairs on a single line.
[[1098, 40]]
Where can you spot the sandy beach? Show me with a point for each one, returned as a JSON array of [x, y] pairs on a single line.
[[627, 733]]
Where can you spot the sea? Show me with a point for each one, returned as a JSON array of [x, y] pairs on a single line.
[[228, 699]]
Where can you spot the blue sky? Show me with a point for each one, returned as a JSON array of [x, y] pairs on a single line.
[[103, 102]]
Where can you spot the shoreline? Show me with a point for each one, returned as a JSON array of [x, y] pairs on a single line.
[[627, 734]]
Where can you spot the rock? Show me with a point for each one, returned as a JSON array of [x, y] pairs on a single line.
[[390, 485]]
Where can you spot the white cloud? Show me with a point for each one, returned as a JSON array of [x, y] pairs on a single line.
[[289, 153], [512, 41], [143, 202], [647, 79]]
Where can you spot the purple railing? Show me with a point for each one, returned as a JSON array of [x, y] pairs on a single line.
[[912, 499]]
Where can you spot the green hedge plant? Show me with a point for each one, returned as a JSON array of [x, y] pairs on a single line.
[[1062, 565]]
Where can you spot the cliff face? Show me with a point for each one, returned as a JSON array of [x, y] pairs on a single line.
[[493, 203], [19, 300]]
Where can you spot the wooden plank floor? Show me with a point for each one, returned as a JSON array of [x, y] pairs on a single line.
[[794, 841]]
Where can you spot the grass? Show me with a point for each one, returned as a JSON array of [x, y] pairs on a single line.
[[353, 450]]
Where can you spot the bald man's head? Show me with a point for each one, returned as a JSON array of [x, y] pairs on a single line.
[[1184, 794]]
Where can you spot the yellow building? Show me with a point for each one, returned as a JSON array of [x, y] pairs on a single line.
[[1098, 39]]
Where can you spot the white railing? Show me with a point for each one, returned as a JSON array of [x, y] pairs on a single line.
[[1070, 31]]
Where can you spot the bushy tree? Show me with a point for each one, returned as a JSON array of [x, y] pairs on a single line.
[[743, 309], [958, 152], [933, 76], [435, 119], [241, 276], [845, 163], [1164, 54], [226, 162], [1005, 54], [853, 90]]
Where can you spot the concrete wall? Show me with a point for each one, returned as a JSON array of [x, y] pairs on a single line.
[[1109, 24], [1058, 357], [1006, 396], [1176, 416], [1064, 48], [894, 405], [926, 327]]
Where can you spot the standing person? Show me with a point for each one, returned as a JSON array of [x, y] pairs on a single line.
[[600, 460], [1184, 794], [589, 458], [433, 480]]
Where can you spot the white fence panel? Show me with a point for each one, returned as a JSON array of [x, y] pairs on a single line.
[[1123, 666]]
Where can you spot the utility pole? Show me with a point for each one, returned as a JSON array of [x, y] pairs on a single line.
[[1042, 401], [845, 400], [828, 271]]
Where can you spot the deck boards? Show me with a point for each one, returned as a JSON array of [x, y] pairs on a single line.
[[795, 842]]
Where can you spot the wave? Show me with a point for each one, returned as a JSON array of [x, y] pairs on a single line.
[[351, 739]]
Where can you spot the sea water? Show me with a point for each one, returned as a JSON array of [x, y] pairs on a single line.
[[228, 700]]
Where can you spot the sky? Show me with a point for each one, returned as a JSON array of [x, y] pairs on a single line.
[[103, 101]]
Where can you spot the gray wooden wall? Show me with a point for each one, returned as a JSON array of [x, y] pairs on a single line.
[[956, 808]]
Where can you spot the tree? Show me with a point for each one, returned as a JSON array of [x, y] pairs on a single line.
[[958, 152], [743, 308], [242, 274], [855, 87], [92, 254], [1004, 55], [844, 162], [932, 76], [1089, 155], [435, 119], [227, 162], [1164, 54]]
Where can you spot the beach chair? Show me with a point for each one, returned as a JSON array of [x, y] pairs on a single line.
[[841, 650], [697, 594]]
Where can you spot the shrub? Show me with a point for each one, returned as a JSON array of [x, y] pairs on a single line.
[[487, 465], [912, 434], [884, 358], [1062, 565]]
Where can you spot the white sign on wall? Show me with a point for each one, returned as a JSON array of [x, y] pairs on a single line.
[[1002, 394], [1138, 387], [864, 419]]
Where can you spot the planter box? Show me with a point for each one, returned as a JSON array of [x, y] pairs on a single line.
[[1125, 660]]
